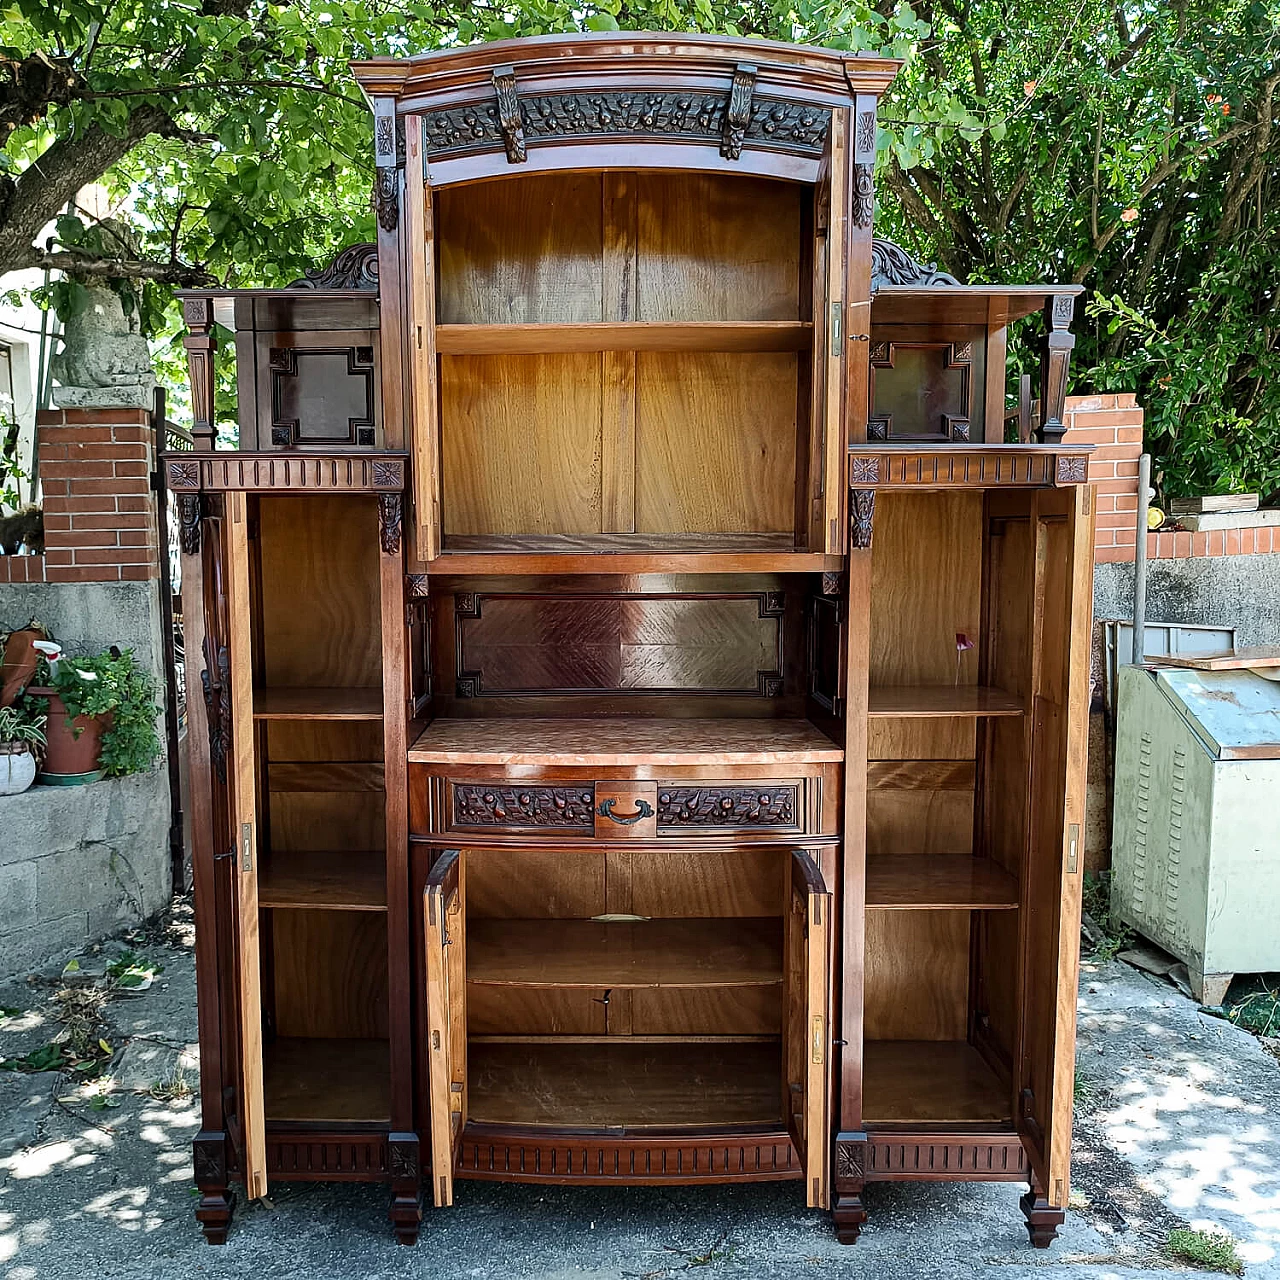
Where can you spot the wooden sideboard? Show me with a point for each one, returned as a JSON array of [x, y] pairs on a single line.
[[639, 666]]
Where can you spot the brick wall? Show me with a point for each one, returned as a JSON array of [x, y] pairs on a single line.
[[1113, 425], [99, 511]]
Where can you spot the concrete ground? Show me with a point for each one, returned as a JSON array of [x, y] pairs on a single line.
[[1178, 1123]]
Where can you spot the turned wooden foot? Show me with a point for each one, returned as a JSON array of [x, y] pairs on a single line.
[[1043, 1221], [406, 1187], [850, 1216], [209, 1162]]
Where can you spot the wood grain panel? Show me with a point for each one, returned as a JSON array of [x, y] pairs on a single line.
[[327, 820], [744, 882], [304, 740], [917, 975], [319, 590], [926, 587], [523, 251], [548, 644], [311, 1080], [555, 883], [931, 1082], [330, 973], [918, 822], [536, 1011], [521, 443], [749, 1011], [717, 248], [715, 443]]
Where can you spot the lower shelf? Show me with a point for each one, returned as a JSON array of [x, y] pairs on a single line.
[[326, 1081], [930, 1082], [625, 1086]]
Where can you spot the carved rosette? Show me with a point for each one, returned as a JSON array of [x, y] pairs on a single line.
[[864, 470], [402, 1157], [387, 474], [209, 1160], [727, 806], [476, 805], [189, 510], [831, 584], [183, 475], [851, 1162], [862, 511], [1070, 469], [417, 586], [389, 522]]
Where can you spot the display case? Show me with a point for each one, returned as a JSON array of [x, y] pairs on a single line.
[[643, 741]]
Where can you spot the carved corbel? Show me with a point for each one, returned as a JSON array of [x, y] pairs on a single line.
[[864, 168], [509, 119], [737, 112], [1054, 364], [189, 523], [862, 513], [202, 345], [386, 183], [389, 521]]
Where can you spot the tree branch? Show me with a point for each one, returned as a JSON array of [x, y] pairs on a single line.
[[83, 265]]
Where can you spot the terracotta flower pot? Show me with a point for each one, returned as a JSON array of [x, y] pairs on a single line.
[[74, 744], [19, 663]]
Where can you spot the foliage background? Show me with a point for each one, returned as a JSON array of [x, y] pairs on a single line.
[[1127, 146]]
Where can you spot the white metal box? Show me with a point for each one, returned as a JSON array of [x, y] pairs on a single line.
[[1196, 827]]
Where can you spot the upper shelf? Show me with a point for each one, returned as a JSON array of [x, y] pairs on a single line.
[[625, 740], [939, 700], [548, 339], [317, 704]]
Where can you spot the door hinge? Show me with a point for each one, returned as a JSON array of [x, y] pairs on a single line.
[[1073, 848], [837, 317], [246, 846]]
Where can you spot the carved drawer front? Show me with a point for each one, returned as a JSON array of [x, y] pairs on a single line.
[[722, 808], [626, 810], [500, 806]]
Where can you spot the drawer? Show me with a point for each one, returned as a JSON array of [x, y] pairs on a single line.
[[615, 809]]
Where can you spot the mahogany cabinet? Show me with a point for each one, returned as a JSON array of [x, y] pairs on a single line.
[[644, 662]]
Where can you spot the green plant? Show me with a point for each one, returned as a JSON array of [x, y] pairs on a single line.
[[18, 724], [1116, 935], [112, 683], [1210, 1250], [1257, 1011]]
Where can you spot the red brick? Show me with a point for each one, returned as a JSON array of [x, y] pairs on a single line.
[[53, 488], [1232, 541], [1200, 543], [48, 417], [111, 417], [1129, 435], [1114, 486], [139, 572], [1106, 502], [1126, 451], [1090, 404], [111, 486], [1247, 541], [72, 470], [1126, 501], [132, 470], [76, 435], [1126, 469], [113, 555], [110, 520], [86, 502], [1102, 472], [133, 435], [1113, 555], [133, 502], [1090, 435], [52, 453], [84, 573], [103, 452], [1100, 418], [1126, 537], [54, 521], [90, 538], [1217, 543], [1114, 520], [135, 538], [1181, 545], [1262, 539], [55, 557]]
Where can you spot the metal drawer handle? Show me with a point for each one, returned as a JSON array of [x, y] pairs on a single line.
[[643, 810]]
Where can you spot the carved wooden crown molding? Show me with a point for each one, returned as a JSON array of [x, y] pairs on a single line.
[[355, 267], [892, 264]]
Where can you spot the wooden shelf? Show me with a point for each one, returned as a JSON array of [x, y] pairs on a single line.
[[942, 700], [930, 1082], [327, 1081], [548, 339], [346, 881], [939, 882], [317, 704], [628, 563], [616, 953], [623, 740], [624, 1086]]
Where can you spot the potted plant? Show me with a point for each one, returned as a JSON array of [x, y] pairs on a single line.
[[21, 741], [101, 717]]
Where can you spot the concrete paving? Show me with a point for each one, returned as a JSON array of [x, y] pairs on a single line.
[[1179, 1122]]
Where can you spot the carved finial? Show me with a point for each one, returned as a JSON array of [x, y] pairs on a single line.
[[355, 267], [891, 264]]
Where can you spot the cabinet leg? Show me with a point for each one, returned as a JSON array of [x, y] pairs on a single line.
[[850, 1215], [213, 1209], [1043, 1221], [406, 1186]]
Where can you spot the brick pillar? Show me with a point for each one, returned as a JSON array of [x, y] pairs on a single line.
[[99, 510], [1113, 425]]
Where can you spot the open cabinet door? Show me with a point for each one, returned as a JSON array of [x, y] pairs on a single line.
[[806, 1060], [446, 1017], [244, 832], [828, 435], [1051, 895]]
